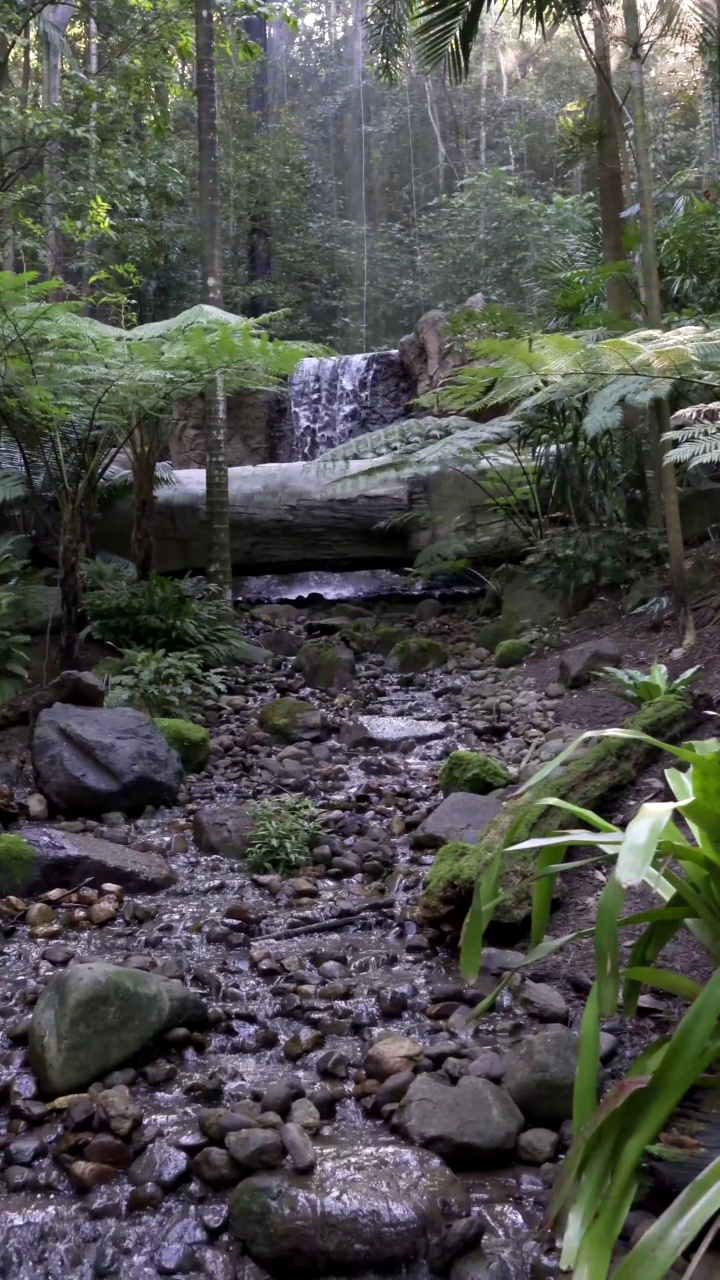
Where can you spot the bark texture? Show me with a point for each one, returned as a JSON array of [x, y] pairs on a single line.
[[218, 556]]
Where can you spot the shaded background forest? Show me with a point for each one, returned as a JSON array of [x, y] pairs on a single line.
[[353, 205]]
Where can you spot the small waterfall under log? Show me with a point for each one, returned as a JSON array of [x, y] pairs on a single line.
[[332, 400]]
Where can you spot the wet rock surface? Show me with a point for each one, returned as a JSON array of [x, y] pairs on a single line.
[[333, 1025]]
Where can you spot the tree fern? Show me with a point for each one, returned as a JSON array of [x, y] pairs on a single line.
[[695, 436]]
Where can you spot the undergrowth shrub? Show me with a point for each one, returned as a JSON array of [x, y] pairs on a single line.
[[161, 683], [161, 614]]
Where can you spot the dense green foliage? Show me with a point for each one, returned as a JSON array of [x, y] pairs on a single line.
[[163, 684], [162, 613]]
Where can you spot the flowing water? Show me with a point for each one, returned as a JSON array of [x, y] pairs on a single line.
[[333, 400]]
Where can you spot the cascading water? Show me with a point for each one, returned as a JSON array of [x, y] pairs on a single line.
[[332, 400]]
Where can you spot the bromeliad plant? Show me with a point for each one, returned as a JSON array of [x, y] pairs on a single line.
[[639, 687], [673, 848]]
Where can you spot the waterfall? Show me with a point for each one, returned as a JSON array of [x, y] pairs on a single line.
[[332, 400]]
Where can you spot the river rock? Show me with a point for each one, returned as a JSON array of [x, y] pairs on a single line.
[[254, 1149], [326, 666], [64, 859], [299, 1147], [392, 1055], [471, 1125], [577, 666], [224, 829], [292, 720], [417, 654], [543, 1002], [537, 1146], [92, 1017], [461, 816], [364, 1206], [89, 761], [540, 1075]]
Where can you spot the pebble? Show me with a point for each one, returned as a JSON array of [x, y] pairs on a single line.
[[298, 1146]]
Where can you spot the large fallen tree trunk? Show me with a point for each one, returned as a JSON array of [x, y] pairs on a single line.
[[281, 516], [591, 781]]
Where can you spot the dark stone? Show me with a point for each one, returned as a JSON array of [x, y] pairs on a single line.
[[471, 1125], [90, 761], [462, 816], [159, 1163], [363, 1207], [64, 859]]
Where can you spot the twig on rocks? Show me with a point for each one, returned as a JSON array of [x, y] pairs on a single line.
[[327, 926]]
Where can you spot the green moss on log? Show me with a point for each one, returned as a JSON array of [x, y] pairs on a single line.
[[472, 771], [613, 763], [191, 741]]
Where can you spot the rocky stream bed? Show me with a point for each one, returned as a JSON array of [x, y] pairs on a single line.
[[340, 1081]]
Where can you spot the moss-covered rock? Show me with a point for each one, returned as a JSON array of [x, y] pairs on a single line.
[[326, 666], [417, 654], [603, 770], [17, 864], [510, 653], [472, 771], [289, 718], [191, 741], [489, 634]]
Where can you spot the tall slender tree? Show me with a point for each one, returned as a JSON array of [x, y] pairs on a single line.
[[53, 21], [219, 565]]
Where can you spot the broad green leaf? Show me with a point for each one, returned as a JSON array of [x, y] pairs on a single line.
[[585, 1094], [640, 842], [674, 1231], [607, 947], [665, 980]]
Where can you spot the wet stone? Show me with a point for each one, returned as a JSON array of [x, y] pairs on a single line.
[[216, 1167], [255, 1149], [160, 1163], [299, 1148], [304, 1042], [280, 1095]]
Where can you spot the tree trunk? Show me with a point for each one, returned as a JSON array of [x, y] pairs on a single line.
[[219, 568], [143, 544], [610, 180], [660, 418], [69, 582], [259, 258], [55, 20]]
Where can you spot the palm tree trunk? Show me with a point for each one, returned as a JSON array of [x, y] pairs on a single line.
[[69, 582], [218, 568], [660, 418], [143, 543], [55, 20], [610, 177]]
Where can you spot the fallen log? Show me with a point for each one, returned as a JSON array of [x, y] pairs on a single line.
[[282, 515], [333, 923], [589, 782]]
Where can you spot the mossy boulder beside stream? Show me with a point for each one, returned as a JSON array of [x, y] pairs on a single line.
[[17, 864], [607, 767], [417, 654], [472, 771], [290, 719], [191, 741]]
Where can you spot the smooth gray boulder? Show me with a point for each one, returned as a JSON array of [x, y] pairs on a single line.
[[461, 816], [364, 1206], [90, 761], [64, 859], [473, 1124], [577, 666], [224, 828], [540, 1075], [93, 1017]]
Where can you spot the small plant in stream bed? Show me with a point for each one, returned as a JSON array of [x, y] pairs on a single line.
[[283, 834], [639, 687], [163, 684]]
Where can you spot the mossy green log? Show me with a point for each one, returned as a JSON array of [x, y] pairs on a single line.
[[18, 867], [191, 741], [610, 765], [472, 771]]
